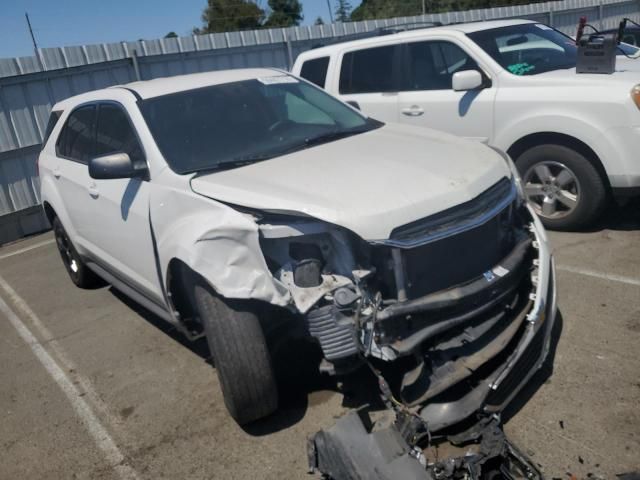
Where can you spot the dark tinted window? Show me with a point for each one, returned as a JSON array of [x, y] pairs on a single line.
[[114, 133], [432, 64], [369, 71], [76, 138], [315, 70], [53, 119]]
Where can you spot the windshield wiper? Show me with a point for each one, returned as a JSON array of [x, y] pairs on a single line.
[[334, 135]]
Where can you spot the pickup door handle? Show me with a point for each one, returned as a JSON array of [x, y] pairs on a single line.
[[413, 111], [56, 172], [93, 190]]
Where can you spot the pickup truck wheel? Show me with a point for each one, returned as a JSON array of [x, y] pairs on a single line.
[[563, 186], [240, 354], [81, 275]]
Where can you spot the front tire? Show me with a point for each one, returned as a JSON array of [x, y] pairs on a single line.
[[81, 275], [240, 354], [563, 186]]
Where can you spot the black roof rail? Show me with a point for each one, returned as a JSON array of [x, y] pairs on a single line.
[[379, 32]]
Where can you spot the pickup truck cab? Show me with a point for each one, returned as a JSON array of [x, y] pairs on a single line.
[[511, 84]]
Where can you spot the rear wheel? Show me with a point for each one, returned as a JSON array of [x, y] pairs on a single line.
[[563, 186], [81, 275], [240, 354]]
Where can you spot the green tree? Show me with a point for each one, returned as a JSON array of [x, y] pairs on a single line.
[[230, 15], [343, 10], [171, 35], [284, 13], [319, 21]]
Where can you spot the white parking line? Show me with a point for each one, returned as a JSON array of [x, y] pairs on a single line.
[[101, 436], [601, 275], [26, 249]]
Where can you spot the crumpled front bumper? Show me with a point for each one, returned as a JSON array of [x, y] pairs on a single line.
[[493, 393]]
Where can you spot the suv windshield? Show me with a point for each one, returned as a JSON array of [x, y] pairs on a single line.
[[235, 124], [527, 49]]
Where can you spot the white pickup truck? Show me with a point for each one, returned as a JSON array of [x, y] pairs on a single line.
[[509, 83]]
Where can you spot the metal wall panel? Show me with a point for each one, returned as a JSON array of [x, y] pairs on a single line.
[[30, 86]]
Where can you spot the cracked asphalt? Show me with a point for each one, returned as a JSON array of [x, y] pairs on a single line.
[[155, 396]]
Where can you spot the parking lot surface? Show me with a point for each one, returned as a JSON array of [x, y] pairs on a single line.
[[93, 387]]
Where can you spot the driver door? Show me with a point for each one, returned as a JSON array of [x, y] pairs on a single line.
[[428, 100], [116, 211]]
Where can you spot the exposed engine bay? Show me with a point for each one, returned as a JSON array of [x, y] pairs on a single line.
[[452, 314]]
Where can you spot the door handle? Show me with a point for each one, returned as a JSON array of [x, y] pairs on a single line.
[[93, 190], [413, 111], [56, 172]]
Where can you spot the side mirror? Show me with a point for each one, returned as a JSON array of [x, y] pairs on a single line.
[[114, 165], [466, 80]]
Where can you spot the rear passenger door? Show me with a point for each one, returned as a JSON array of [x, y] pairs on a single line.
[[368, 79], [427, 98], [116, 218]]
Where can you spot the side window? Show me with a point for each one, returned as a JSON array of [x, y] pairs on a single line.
[[76, 138], [114, 133], [315, 70], [369, 71], [54, 116], [432, 64]]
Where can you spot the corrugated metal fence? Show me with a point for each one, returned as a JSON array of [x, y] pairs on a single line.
[[29, 86]]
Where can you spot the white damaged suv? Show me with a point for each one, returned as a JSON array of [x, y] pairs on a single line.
[[222, 201]]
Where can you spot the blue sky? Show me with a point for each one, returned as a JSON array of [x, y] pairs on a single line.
[[75, 22]]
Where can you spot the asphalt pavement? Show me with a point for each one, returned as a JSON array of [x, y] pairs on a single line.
[[94, 387]]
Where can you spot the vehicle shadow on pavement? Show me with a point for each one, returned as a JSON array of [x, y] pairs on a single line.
[[199, 347], [623, 218], [541, 377]]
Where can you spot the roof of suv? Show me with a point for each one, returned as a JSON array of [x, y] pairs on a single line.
[[166, 85], [419, 32]]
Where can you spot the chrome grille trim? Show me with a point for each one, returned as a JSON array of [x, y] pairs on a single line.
[[455, 220]]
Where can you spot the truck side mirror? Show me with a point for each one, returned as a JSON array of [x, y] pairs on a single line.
[[466, 80]]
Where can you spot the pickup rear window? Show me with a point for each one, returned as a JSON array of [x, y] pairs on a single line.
[[315, 70]]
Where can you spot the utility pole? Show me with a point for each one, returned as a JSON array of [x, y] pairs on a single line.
[[330, 11], [33, 39], [424, 7]]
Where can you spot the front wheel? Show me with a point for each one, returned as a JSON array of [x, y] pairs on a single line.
[[563, 186], [240, 354]]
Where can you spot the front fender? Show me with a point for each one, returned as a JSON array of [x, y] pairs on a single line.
[[215, 241]]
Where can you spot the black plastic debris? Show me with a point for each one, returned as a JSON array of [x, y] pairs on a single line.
[[356, 448]]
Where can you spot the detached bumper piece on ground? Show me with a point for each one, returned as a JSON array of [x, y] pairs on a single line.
[[356, 448]]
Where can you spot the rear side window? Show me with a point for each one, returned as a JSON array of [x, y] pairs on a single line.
[[114, 134], [369, 71], [53, 119], [76, 139], [315, 70], [431, 65]]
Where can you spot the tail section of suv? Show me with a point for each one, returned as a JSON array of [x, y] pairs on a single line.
[[227, 202], [511, 84]]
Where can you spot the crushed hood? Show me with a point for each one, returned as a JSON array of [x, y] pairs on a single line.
[[368, 183]]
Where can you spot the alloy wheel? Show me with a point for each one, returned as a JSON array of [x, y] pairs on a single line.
[[552, 189]]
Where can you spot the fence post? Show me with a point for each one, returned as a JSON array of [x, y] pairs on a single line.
[[289, 50], [136, 67], [601, 16]]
